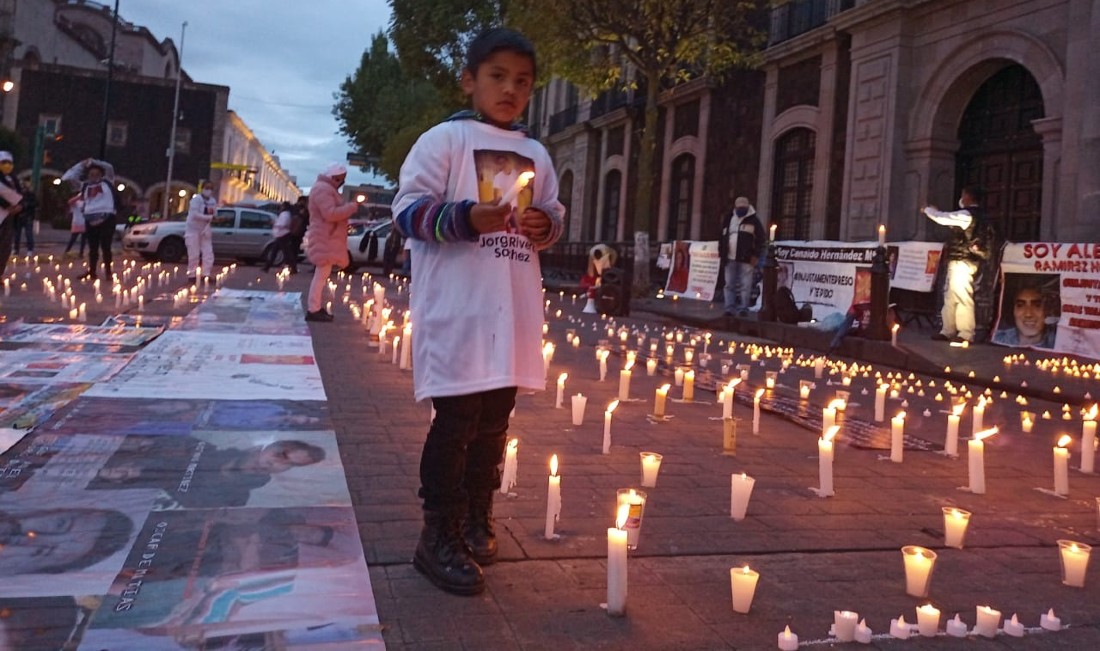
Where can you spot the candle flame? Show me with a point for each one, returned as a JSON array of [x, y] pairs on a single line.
[[984, 434], [1073, 548], [786, 631], [524, 179], [900, 416], [733, 383], [745, 570], [1091, 413], [759, 393], [836, 403], [895, 328], [744, 477], [831, 433], [561, 378], [513, 444], [1064, 441], [664, 388], [611, 407], [957, 514], [958, 409], [554, 466], [624, 513], [603, 354], [629, 365]]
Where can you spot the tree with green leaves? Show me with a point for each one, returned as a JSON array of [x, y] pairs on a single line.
[[654, 44], [382, 110]]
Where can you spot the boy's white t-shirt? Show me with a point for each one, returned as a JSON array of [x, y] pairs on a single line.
[[476, 306]]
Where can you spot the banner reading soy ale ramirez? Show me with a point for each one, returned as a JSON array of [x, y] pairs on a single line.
[[1050, 297], [693, 272]]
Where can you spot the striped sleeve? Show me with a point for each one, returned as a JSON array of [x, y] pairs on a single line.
[[557, 226], [437, 221]]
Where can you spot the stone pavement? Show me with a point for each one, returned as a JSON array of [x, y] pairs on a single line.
[[814, 555]]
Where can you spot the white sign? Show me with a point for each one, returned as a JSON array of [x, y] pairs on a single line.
[[694, 270]]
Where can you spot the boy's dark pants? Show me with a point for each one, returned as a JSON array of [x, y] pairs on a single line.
[[464, 447]]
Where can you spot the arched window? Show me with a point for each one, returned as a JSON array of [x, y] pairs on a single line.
[[613, 183], [565, 196], [680, 196], [793, 184]]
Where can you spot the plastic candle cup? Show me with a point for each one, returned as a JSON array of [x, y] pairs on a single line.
[[987, 621], [743, 588], [651, 465], [844, 625], [634, 500], [740, 492], [769, 379], [1075, 562], [651, 367], [928, 620], [579, 403], [919, 563], [955, 522]]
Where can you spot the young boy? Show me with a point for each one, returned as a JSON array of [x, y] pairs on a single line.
[[475, 299]]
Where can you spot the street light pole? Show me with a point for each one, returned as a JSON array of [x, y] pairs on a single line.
[[107, 92], [175, 118]]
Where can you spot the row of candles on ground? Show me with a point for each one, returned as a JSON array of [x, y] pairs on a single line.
[[848, 627]]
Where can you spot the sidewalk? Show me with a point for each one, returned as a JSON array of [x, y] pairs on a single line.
[[814, 555]]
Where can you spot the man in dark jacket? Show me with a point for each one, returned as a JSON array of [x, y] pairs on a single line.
[[11, 200], [24, 221], [740, 247], [971, 242]]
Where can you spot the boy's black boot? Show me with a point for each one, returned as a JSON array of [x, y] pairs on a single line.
[[442, 556], [478, 531]]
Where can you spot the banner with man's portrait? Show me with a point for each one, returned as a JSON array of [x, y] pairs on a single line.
[[1050, 297]]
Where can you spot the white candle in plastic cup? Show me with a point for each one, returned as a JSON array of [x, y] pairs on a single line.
[[844, 625], [678, 377], [740, 493], [651, 465], [616, 568], [819, 367], [804, 389], [1075, 562], [743, 588], [651, 367], [919, 563], [579, 403], [955, 523], [634, 501], [987, 621], [928, 620], [1061, 466]]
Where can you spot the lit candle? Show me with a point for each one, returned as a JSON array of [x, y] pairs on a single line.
[[769, 379], [396, 349], [560, 402], [951, 443], [616, 565], [82, 312], [988, 620], [899, 629], [880, 402], [1075, 561], [743, 587], [727, 398], [740, 492], [678, 377], [976, 460], [602, 356], [1061, 466], [659, 401], [607, 426], [1088, 441], [553, 499], [513, 192], [956, 627], [844, 625], [919, 563], [406, 347], [1048, 622], [508, 477], [756, 411], [978, 416], [787, 640], [819, 367], [771, 238], [624, 382], [897, 438], [651, 465], [634, 500], [863, 632], [894, 334], [825, 461], [579, 403], [1013, 627], [651, 367], [928, 620], [804, 387], [828, 416], [955, 522], [882, 235], [689, 386]]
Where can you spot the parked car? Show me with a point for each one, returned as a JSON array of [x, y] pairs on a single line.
[[238, 232]]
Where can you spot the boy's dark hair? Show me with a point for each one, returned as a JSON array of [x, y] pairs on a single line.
[[974, 191], [495, 39]]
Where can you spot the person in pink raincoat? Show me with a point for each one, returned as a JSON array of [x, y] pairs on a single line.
[[327, 245]]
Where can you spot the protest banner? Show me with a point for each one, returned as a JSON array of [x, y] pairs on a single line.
[[693, 272], [1050, 297]]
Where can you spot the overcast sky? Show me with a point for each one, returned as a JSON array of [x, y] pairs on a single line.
[[282, 62]]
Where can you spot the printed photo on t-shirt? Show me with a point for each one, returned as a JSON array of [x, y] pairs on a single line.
[[505, 175]]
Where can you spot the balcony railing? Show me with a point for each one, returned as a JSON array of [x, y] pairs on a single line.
[[800, 16], [563, 119]]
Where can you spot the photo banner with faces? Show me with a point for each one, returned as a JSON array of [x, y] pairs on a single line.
[[693, 270], [1050, 297]]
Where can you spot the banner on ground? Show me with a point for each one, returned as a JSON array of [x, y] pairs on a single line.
[[1050, 297], [693, 272]]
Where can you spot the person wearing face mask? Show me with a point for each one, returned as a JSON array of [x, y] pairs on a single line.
[[11, 200], [328, 234], [971, 241], [200, 242], [96, 179], [740, 248]]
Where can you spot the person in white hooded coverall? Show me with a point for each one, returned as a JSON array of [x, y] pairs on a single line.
[[200, 243]]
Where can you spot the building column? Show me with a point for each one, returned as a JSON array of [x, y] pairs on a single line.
[[666, 175], [931, 176], [823, 140], [767, 146], [700, 167], [601, 187], [1050, 130], [624, 187]]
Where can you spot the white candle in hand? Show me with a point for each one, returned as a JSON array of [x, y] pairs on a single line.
[[882, 235], [553, 499], [513, 192]]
